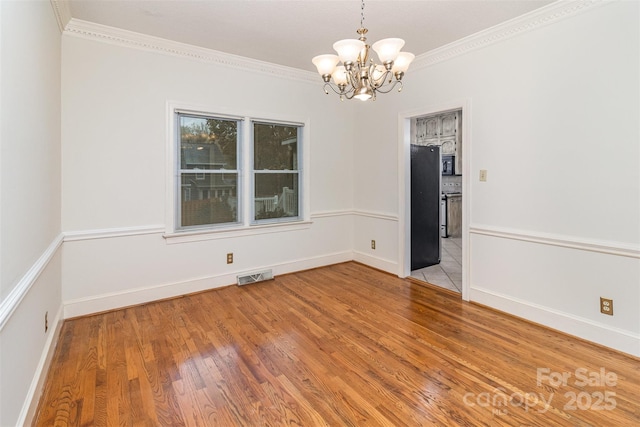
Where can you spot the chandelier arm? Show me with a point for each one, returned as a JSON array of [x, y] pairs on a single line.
[[390, 88], [354, 77], [350, 94], [380, 82], [337, 91]]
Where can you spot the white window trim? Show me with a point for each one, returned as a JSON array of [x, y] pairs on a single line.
[[177, 171], [245, 227]]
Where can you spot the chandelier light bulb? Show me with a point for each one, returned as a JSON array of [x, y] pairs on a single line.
[[326, 64], [402, 62], [363, 93], [339, 76], [388, 49], [348, 49]]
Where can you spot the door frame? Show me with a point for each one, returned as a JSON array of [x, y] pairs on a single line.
[[404, 185]]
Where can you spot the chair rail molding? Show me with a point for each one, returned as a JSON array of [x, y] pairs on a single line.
[[592, 245], [17, 294]]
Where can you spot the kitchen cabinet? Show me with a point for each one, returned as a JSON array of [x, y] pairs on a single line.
[[448, 147], [449, 124], [454, 215], [427, 130], [445, 130], [431, 127]]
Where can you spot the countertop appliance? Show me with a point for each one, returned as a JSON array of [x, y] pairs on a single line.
[[448, 165], [425, 205]]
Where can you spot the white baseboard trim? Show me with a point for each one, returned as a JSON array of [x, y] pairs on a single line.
[[30, 406], [618, 339], [376, 262], [13, 300], [111, 301]]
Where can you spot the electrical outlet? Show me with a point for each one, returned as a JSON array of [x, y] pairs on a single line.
[[373, 244], [230, 258], [606, 306], [483, 175], [46, 321]]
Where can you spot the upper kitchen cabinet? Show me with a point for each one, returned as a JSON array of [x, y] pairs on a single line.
[[445, 130], [427, 130], [448, 147], [432, 127], [449, 124]]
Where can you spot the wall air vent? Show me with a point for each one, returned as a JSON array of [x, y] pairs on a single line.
[[258, 276]]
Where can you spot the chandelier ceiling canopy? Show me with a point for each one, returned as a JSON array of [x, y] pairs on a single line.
[[359, 76]]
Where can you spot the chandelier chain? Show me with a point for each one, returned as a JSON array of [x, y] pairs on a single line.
[[362, 15]]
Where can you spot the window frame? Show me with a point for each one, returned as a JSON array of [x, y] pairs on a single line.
[[179, 172], [245, 178], [252, 175]]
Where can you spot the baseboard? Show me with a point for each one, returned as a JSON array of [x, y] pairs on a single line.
[[618, 339], [28, 413], [115, 300], [379, 263]]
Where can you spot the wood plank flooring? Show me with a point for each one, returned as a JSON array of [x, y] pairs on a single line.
[[343, 345]]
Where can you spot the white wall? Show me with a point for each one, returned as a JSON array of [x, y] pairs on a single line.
[[115, 174], [553, 117], [30, 136], [30, 224]]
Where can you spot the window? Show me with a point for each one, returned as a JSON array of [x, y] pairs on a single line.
[[212, 186], [208, 171], [275, 171]]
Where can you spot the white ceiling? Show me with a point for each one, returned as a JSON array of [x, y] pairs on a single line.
[[291, 32]]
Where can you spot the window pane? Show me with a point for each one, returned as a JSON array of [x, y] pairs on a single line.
[[208, 198], [208, 143], [275, 147], [276, 195]]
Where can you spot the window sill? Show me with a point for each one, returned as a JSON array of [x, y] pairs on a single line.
[[232, 232]]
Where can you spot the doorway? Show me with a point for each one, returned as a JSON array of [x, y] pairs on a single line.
[[441, 130]]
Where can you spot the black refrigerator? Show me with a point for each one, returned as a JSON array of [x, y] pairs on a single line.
[[425, 206]]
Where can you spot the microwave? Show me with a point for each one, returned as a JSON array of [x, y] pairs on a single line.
[[448, 165]]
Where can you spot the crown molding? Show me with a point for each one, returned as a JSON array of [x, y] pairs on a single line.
[[62, 12], [522, 24], [531, 21], [117, 36]]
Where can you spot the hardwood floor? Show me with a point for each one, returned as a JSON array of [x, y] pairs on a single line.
[[344, 345]]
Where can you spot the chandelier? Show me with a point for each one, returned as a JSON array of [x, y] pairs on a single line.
[[359, 76]]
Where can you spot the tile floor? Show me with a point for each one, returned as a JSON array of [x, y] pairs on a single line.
[[447, 274]]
